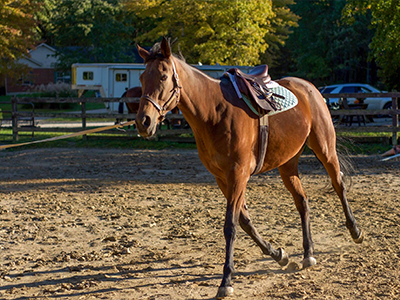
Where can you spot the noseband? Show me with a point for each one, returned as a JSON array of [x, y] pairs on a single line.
[[162, 110]]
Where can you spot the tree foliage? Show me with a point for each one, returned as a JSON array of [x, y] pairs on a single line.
[[279, 30], [385, 44], [17, 33], [327, 50], [91, 31], [44, 20], [217, 31], [331, 44]]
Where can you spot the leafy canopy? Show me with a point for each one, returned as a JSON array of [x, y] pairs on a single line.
[[17, 33], [91, 31], [385, 44], [327, 50], [216, 31]]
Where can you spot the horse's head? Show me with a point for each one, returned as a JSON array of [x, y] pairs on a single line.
[[160, 87]]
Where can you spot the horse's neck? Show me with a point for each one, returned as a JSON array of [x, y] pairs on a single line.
[[200, 94]]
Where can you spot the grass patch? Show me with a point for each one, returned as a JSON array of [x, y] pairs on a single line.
[[101, 141], [5, 105], [362, 148], [363, 134]]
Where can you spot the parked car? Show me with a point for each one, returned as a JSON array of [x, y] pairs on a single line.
[[373, 103]]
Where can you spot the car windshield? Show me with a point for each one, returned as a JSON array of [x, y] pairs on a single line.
[[350, 89], [355, 89], [327, 90], [366, 90]]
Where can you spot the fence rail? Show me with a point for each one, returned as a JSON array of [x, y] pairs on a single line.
[[394, 111], [19, 116]]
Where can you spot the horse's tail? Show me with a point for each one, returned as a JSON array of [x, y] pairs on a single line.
[[346, 164]]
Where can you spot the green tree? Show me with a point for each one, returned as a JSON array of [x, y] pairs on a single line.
[[91, 31], [44, 17], [385, 44], [17, 34], [280, 28], [215, 31], [326, 50]]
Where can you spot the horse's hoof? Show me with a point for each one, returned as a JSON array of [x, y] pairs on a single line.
[[224, 291], [309, 262], [292, 267], [360, 238], [284, 258]]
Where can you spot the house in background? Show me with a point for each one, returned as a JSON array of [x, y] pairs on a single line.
[[42, 62]]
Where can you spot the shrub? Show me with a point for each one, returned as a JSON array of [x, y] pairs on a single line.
[[53, 90]]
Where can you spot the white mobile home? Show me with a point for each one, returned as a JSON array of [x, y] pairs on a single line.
[[112, 80]]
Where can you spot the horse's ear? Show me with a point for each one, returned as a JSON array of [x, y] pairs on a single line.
[[165, 48], [143, 52]]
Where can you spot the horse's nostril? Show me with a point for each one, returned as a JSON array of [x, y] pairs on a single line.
[[146, 121]]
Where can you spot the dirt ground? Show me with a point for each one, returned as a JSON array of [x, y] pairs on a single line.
[[142, 224]]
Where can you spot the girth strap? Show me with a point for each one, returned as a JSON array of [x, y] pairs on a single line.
[[262, 143]]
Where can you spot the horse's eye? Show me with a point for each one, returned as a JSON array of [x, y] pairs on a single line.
[[164, 77]]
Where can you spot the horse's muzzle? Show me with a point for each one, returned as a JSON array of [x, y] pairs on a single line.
[[146, 125]]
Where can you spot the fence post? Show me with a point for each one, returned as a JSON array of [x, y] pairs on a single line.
[[14, 117], [395, 121], [84, 137]]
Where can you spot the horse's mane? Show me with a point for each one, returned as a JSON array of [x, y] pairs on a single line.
[[155, 52]]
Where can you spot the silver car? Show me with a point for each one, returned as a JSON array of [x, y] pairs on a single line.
[[373, 103]]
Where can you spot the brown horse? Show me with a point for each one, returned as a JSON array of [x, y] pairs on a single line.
[[133, 107], [134, 92], [226, 134]]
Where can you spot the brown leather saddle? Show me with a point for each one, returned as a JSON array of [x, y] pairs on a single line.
[[253, 86]]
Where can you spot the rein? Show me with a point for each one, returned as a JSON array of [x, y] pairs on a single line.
[[162, 110]]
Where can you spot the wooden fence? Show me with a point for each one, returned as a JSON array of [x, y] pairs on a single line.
[[83, 115], [28, 118], [394, 112]]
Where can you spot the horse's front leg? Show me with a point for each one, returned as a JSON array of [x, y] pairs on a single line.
[[230, 227], [234, 193]]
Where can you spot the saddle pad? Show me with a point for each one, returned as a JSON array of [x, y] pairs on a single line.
[[289, 101]]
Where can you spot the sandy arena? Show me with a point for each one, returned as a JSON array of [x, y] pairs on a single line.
[[144, 224]]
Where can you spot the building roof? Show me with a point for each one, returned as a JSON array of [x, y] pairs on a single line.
[[42, 56], [45, 46]]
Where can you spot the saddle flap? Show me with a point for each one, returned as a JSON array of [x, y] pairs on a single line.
[[253, 85]]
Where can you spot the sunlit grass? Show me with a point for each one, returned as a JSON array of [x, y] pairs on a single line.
[[100, 140]]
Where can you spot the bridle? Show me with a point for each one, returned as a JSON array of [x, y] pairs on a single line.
[[162, 110]]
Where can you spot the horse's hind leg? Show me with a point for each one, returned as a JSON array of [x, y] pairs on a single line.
[[290, 177], [279, 255], [326, 153]]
